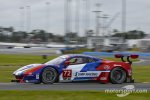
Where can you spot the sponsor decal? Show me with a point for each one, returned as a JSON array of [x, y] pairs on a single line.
[[87, 74], [67, 74], [37, 76], [103, 78], [116, 65], [106, 67]]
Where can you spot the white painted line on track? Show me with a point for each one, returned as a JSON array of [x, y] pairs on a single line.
[[141, 60]]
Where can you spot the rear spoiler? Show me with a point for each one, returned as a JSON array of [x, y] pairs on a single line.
[[128, 57]]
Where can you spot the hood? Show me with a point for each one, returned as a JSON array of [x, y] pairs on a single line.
[[25, 68]]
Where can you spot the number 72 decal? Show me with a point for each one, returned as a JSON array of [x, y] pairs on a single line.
[[67, 73]]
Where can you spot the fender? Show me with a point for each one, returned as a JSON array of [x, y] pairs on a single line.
[[108, 66], [59, 70]]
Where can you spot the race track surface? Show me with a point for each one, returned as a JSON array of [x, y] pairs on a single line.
[[144, 61], [70, 86]]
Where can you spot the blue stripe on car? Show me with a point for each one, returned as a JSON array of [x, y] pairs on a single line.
[[91, 66]]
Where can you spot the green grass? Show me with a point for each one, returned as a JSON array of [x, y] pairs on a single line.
[[16, 60], [67, 95], [141, 73], [9, 63]]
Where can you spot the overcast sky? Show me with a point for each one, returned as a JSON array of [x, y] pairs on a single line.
[[138, 14]]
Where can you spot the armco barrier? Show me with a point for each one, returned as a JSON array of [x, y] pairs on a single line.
[[113, 53]]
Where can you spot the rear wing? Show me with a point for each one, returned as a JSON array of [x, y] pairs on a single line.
[[128, 57]]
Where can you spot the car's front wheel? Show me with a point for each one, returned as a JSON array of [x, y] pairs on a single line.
[[49, 75], [117, 76]]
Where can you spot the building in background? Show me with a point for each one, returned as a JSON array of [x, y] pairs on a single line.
[[106, 43], [6, 31]]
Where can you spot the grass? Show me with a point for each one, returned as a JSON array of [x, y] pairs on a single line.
[[9, 63], [67, 95], [16, 60], [141, 73]]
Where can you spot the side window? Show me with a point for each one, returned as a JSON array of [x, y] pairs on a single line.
[[77, 60], [90, 60]]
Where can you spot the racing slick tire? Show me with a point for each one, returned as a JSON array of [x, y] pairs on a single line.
[[37, 82], [118, 76], [49, 75]]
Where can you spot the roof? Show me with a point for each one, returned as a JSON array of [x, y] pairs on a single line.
[[74, 55]]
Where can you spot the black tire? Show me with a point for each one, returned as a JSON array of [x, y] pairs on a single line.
[[37, 83], [57, 79], [49, 75], [117, 76]]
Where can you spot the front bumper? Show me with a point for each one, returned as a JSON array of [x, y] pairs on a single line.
[[18, 81], [26, 79]]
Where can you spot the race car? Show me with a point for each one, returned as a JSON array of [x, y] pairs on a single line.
[[77, 67]]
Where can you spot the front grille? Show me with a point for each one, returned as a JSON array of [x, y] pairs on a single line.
[[19, 77]]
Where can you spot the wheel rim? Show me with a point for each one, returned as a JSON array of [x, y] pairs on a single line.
[[117, 75], [49, 76]]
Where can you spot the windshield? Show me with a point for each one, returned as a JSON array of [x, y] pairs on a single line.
[[55, 61]]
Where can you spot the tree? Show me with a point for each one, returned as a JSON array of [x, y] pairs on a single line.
[[134, 34], [71, 37], [42, 35], [19, 36]]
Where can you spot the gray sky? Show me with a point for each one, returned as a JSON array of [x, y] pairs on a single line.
[[138, 14]]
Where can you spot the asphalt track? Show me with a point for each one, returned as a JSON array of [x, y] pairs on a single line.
[[144, 61], [70, 86]]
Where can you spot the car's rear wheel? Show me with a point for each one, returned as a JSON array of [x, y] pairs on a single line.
[[49, 75], [117, 76]]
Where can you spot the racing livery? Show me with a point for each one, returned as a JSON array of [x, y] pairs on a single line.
[[77, 67]]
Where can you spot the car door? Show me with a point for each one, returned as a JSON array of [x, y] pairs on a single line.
[[69, 71], [88, 72], [80, 68]]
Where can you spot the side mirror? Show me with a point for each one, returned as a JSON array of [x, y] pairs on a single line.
[[67, 63]]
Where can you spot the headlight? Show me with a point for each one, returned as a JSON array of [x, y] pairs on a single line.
[[17, 73]]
